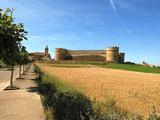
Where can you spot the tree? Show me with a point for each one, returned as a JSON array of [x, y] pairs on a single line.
[[22, 59], [11, 36]]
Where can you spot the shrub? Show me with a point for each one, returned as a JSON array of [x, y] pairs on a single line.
[[46, 88], [68, 104], [71, 106]]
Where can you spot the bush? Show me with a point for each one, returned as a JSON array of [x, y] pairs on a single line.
[[71, 106], [68, 104], [47, 89]]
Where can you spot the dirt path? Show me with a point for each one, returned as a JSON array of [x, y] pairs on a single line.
[[5, 77], [22, 104]]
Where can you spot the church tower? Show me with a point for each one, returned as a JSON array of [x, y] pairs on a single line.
[[46, 50]]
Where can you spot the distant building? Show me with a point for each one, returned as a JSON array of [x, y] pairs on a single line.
[[45, 56], [110, 54]]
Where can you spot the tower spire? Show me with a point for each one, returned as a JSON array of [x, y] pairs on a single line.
[[46, 49]]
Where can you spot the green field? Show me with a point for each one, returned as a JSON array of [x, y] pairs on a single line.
[[129, 67], [137, 68]]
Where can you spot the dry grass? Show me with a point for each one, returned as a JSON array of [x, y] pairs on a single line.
[[135, 92]]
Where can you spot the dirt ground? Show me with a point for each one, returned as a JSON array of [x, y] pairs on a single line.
[[133, 91]]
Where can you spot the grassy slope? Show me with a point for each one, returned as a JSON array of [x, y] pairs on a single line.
[[129, 67], [137, 68]]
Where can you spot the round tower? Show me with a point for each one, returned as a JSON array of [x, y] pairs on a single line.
[[112, 54], [121, 57], [46, 50], [57, 54]]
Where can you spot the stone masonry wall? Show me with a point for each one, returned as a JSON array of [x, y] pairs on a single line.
[[62, 54]]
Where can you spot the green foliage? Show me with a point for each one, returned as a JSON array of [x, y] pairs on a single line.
[[11, 35], [68, 104], [71, 106], [47, 88], [23, 56], [137, 68]]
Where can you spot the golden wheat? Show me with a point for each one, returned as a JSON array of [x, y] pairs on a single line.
[[133, 91]]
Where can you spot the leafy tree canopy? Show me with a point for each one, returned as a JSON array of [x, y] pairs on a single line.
[[11, 35], [23, 57]]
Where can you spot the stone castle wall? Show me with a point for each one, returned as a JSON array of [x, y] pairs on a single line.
[[109, 55], [88, 55]]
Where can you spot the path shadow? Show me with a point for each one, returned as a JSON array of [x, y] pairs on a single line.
[[5, 69], [32, 89], [22, 78]]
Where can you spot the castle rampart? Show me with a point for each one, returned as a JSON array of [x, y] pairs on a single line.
[[112, 54], [87, 52], [109, 55]]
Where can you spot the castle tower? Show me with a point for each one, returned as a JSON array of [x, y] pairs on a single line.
[[46, 50], [121, 57], [57, 54], [112, 54]]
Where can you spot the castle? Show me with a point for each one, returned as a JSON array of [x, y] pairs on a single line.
[[111, 54], [41, 55]]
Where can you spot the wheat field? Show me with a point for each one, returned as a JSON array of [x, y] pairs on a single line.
[[134, 92]]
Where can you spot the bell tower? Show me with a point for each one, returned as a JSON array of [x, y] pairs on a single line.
[[46, 50]]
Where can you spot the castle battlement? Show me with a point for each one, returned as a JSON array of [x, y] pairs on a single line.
[[111, 54]]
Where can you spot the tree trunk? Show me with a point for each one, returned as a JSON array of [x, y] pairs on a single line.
[[11, 79], [23, 69], [20, 71]]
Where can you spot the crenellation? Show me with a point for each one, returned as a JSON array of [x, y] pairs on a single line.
[[111, 54]]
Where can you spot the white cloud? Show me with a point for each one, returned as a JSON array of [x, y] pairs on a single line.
[[124, 4], [120, 3], [113, 5]]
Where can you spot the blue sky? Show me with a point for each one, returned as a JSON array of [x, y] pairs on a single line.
[[133, 25]]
